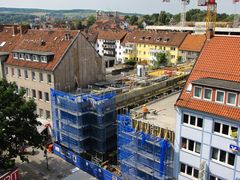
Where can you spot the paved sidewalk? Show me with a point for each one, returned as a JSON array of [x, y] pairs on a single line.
[[36, 169]]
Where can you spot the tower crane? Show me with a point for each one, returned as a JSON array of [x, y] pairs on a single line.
[[211, 17], [183, 13], [236, 21]]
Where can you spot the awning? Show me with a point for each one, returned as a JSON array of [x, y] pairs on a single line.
[[44, 124]]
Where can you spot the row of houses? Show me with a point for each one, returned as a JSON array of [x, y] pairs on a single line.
[[142, 46]]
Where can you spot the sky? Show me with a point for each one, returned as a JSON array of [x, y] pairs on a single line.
[[130, 6]]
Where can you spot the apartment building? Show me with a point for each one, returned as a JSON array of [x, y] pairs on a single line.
[[108, 46], [191, 47], [207, 128], [142, 46], [38, 60]]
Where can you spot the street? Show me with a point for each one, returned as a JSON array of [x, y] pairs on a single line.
[[36, 169]]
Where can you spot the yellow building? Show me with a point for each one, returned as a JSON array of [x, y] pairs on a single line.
[[144, 45]]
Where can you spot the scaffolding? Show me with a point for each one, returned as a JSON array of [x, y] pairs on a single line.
[[85, 122], [143, 156]]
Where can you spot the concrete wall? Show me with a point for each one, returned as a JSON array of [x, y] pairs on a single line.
[[81, 65], [208, 139]]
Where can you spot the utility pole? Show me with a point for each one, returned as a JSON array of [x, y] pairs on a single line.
[[46, 156]]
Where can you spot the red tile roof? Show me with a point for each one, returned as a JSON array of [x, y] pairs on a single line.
[[193, 43], [54, 42], [111, 35], [220, 59], [156, 38]]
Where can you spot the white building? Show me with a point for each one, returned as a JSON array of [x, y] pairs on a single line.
[[108, 46], [208, 112]]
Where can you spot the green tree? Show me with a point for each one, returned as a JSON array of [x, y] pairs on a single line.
[[130, 62], [91, 20], [179, 59], [161, 60], [17, 124], [133, 20]]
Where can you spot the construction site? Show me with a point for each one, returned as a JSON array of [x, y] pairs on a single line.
[[89, 124], [145, 144]]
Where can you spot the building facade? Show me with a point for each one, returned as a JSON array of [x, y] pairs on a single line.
[[191, 47], [38, 60], [142, 46], [207, 128], [109, 47]]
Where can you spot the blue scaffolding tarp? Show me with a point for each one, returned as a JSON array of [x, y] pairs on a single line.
[[141, 155], [84, 122]]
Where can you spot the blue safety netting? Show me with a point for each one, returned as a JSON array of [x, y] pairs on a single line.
[[84, 122], [83, 164], [142, 156]]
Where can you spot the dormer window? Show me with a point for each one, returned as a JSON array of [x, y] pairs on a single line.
[[198, 92], [28, 57], [35, 58], [15, 55], [220, 96], [231, 98], [21, 56], [208, 94], [43, 59]]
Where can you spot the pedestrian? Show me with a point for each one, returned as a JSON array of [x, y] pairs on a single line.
[[145, 111]]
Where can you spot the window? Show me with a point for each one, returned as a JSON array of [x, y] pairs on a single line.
[[33, 93], [40, 95], [40, 77], [231, 98], [25, 74], [197, 92], [19, 73], [41, 113], [207, 94], [43, 59], [21, 56], [223, 156], [28, 57], [46, 96], [172, 56], [191, 145], [6, 70], [188, 170], [15, 55], [220, 96], [193, 120], [35, 58], [33, 76], [225, 129], [48, 114], [12, 71], [173, 48], [49, 78]]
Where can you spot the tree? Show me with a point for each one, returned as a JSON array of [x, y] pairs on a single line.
[[130, 62], [91, 20], [161, 60], [179, 59], [17, 124], [133, 20]]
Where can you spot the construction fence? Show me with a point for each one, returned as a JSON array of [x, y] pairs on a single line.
[[84, 122], [83, 164], [143, 155]]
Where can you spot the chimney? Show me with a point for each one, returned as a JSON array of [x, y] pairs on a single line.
[[210, 34], [23, 29], [1, 27], [67, 36], [14, 30]]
